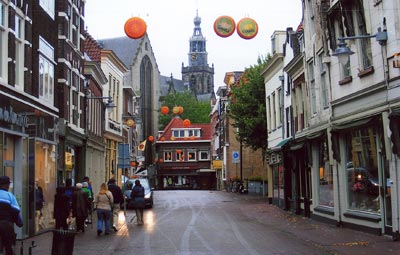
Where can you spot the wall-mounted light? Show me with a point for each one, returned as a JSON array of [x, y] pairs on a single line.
[[108, 104], [343, 52]]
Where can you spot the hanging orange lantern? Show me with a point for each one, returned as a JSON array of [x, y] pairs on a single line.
[[132, 163], [175, 110], [161, 160], [151, 138], [247, 28], [224, 26], [130, 123], [186, 122], [164, 110], [180, 109], [135, 28]]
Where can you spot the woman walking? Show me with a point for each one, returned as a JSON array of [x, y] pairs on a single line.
[[137, 196], [104, 201]]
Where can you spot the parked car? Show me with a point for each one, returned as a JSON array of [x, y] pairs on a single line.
[[148, 191]]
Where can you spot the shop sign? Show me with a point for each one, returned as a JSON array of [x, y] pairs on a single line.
[[8, 115]]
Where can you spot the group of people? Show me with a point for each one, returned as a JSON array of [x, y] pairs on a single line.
[[74, 206], [71, 204]]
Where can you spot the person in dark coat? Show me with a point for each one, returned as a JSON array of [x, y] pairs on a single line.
[[137, 196], [9, 214], [80, 205], [61, 208], [118, 200], [39, 202]]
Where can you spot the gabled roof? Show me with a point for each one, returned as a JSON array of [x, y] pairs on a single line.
[[177, 123], [123, 48]]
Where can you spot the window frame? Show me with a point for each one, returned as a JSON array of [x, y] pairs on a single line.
[[3, 41], [46, 55], [204, 152], [19, 32]]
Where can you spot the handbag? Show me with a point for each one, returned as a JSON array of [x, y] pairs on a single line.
[[111, 204]]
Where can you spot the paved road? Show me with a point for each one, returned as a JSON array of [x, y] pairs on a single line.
[[203, 222], [207, 222]]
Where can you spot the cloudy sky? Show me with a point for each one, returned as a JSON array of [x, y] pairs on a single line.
[[170, 26]]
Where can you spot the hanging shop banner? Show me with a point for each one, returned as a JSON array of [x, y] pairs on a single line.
[[247, 28], [224, 26]]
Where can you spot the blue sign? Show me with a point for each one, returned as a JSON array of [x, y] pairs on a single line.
[[123, 156], [235, 156]]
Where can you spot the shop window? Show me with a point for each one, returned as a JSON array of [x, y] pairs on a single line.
[[45, 177], [362, 170], [325, 188]]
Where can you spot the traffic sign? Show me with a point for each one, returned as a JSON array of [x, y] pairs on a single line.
[[235, 157]]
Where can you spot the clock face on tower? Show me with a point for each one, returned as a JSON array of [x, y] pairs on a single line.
[[193, 56]]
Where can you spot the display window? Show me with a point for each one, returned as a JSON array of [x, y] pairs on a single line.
[[325, 188], [45, 184], [362, 170]]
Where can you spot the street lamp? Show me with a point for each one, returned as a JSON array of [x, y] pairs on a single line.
[[108, 104], [343, 52]]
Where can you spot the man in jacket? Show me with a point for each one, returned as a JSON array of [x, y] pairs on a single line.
[[118, 200], [9, 214], [80, 205]]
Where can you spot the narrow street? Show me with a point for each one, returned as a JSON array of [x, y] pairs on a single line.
[[217, 222]]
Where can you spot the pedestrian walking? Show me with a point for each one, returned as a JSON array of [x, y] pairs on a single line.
[[80, 202], [61, 208], [39, 203], [69, 191], [85, 188], [137, 199], [118, 201], [9, 214], [104, 201]]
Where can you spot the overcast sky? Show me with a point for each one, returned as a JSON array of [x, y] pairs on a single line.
[[170, 26]]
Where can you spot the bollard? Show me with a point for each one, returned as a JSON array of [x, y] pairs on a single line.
[[63, 242]]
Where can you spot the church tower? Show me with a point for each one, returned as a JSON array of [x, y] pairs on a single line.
[[198, 76]]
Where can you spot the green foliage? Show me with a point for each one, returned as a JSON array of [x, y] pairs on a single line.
[[196, 112], [248, 107]]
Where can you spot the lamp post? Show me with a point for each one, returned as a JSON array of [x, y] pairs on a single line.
[[343, 52]]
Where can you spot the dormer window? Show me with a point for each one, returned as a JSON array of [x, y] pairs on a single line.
[[181, 132]]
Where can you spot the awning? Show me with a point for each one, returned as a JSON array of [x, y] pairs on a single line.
[[280, 144]]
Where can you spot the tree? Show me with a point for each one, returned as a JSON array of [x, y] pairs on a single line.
[[196, 112], [248, 107]]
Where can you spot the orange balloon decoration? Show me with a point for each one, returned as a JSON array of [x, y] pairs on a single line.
[[133, 163], [180, 109], [247, 28], [224, 26], [161, 160], [130, 123], [164, 110], [135, 28], [175, 110], [151, 138], [186, 122]]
